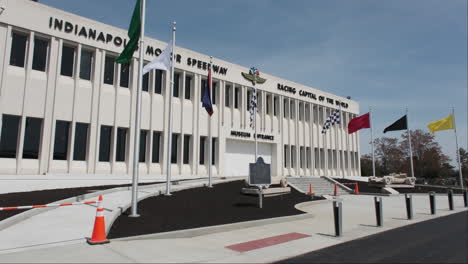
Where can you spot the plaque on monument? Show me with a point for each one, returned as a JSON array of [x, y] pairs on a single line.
[[259, 173]]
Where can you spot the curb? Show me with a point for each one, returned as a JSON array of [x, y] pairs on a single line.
[[189, 233]]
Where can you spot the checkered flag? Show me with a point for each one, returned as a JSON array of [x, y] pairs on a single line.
[[252, 107], [334, 118]]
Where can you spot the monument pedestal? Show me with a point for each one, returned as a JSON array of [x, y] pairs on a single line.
[[266, 192]]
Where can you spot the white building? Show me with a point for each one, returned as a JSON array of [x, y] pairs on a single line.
[[67, 108]]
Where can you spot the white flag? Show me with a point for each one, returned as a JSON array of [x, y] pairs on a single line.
[[162, 62]]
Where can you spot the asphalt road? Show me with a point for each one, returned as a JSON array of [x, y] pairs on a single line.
[[441, 240]]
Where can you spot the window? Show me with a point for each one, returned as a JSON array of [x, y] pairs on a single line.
[[275, 105], [316, 158], [329, 159], [249, 94], [322, 158], [286, 155], [236, 97], [121, 144], [300, 111], [175, 138], [188, 87], [142, 155], [293, 156], [105, 144], [268, 110], [202, 89], [124, 75], [32, 138], [18, 49], [308, 157], [214, 93], [259, 102], [109, 70], [307, 113], [292, 110], [86, 62], [202, 150], [9, 137], [356, 160], [227, 95], [81, 141], [213, 151], [156, 144], [62, 132], [40, 54], [186, 149], [158, 82], [335, 159], [68, 61], [176, 84], [145, 84], [285, 108], [301, 157]]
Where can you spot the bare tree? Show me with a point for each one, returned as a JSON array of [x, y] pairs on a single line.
[[389, 155]]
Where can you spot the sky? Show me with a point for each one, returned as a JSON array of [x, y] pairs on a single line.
[[387, 55]]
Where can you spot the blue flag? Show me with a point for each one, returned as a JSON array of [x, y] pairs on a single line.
[[206, 97]]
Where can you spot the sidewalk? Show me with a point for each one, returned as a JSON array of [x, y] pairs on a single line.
[[358, 221]]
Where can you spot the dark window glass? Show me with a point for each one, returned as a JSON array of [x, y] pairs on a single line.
[[145, 85], [18, 49], [213, 151], [142, 156], [176, 84], [202, 150], [285, 156], [81, 141], [227, 96], [86, 64], [236, 98], [62, 132], [213, 93], [124, 75], [293, 156], [121, 144], [275, 106], [188, 87], [40, 54], [9, 137], [32, 138], [68, 61], [105, 144], [175, 138], [158, 82], [247, 103], [186, 149], [308, 157], [268, 105], [285, 108], [156, 144], [109, 70], [202, 88], [301, 157]]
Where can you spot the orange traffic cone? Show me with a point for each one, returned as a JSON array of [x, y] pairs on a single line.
[[310, 189], [336, 190], [356, 188], [99, 231]]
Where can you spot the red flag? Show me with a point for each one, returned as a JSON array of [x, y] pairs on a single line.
[[359, 122]]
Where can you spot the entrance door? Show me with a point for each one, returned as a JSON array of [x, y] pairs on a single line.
[[240, 153]]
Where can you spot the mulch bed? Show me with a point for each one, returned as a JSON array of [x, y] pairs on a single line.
[[365, 187], [45, 197], [201, 207]]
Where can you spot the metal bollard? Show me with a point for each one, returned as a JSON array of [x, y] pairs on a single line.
[[260, 197], [409, 206], [465, 197], [378, 210], [450, 199], [432, 202], [337, 213]]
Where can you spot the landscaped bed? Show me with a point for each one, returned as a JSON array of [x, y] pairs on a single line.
[[45, 197], [201, 207]]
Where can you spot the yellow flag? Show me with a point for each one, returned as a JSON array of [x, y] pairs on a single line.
[[443, 124]]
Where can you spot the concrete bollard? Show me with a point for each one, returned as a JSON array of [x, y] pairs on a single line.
[[409, 206], [432, 202], [465, 197], [450, 199], [337, 213], [378, 211]]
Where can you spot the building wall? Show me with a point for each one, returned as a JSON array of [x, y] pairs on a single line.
[[51, 96]]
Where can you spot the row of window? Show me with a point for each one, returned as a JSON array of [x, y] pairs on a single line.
[[33, 133], [305, 158]]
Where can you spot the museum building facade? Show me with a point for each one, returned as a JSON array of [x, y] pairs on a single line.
[[68, 108]]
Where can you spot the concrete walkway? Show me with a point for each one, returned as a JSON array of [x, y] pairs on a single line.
[[68, 228]]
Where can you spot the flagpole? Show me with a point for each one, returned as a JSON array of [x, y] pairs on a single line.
[[409, 141], [342, 148], [169, 141], [210, 140], [372, 143], [136, 139], [458, 150], [255, 123]]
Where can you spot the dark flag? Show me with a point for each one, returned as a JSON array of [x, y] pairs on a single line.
[[206, 97], [400, 124]]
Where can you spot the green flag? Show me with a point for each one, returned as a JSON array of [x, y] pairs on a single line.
[[134, 33]]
